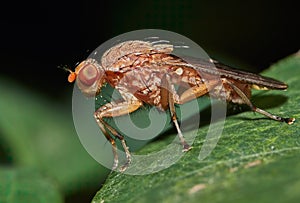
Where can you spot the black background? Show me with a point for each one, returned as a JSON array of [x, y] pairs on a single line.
[[37, 37]]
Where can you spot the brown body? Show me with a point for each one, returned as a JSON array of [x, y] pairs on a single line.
[[142, 76], [151, 74]]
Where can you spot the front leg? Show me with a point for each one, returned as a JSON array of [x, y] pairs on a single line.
[[112, 110]]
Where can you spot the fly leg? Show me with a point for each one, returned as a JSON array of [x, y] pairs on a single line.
[[196, 91], [185, 145], [258, 110], [168, 95], [112, 110], [168, 91]]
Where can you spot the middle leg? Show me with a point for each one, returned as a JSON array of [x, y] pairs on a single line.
[[168, 96]]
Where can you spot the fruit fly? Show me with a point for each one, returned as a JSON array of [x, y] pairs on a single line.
[[147, 73]]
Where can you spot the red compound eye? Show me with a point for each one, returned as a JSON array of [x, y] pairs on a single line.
[[88, 75]]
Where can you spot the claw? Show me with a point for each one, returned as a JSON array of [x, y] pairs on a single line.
[[186, 147], [289, 121], [125, 166]]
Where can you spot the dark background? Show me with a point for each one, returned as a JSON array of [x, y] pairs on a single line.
[[37, 37]]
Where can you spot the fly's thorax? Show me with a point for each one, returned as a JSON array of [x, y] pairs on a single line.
[[135, 47]]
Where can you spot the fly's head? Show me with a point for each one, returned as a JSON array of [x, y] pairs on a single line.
[[89, 76]]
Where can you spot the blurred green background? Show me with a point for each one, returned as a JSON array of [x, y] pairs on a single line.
[[39, 147]]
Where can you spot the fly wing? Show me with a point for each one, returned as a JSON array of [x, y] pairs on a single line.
[[217, 68]]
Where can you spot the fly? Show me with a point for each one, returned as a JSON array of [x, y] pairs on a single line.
[[146, 73]]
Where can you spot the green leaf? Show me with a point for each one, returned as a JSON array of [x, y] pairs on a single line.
[[255, 159], [24, 185], [38, 133]]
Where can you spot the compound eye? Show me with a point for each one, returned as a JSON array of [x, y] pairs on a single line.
[[88, 75]]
